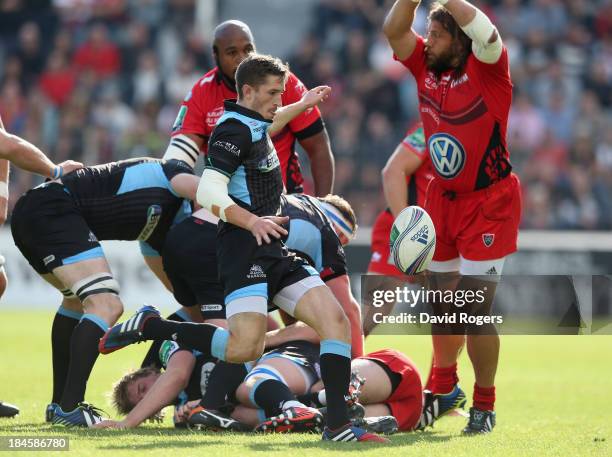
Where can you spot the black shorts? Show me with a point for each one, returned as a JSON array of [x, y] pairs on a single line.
[[190, 262], [248, 270], [303, 353], [50, 231]]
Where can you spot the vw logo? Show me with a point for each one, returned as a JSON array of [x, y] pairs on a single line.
[[447, 154]]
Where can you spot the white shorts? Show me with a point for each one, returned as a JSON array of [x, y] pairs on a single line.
[[490, 269]]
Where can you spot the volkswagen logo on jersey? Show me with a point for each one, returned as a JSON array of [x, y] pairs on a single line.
[[447, 155]]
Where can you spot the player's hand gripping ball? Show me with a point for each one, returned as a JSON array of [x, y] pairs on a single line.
[[413, 240]]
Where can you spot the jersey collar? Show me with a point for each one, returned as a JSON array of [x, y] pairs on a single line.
[[231, 105]]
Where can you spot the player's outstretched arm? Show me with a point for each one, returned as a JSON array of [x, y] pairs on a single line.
[[318, 149], [213, 195], [400, 165], [163, 392], [486, 42], [293, 332], [398, 28], [28, 157], [286, 114]]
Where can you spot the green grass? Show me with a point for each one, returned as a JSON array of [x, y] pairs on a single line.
[[554, 398]]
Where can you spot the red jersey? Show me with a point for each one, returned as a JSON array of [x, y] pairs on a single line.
[[203, 106], [406, 401], [465, 120]]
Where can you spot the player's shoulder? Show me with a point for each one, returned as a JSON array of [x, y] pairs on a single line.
[[294, 85], [207, 83]]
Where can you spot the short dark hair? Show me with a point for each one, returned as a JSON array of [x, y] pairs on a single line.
[[462, 44], [256, 68]]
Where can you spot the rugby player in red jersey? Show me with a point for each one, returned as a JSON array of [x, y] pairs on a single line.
[[203, 106], [405, 179], [464, 87]]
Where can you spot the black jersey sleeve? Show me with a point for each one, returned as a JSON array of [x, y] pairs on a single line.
[[334, 258], [175, 167], [229, 146]]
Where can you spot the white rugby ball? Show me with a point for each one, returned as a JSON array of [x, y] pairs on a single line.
[[412, 240]]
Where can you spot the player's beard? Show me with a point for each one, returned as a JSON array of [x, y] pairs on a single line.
[[230, 82], [441, 63]]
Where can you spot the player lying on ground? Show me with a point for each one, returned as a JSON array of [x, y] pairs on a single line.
[[318, 230], [270, 388], [57, 225], [465, 91]]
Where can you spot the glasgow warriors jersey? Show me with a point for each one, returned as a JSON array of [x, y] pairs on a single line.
[[129, 199], [312, 236], [198, 381], [241, 149]]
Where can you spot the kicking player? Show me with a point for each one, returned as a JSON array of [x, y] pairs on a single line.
[[242, 185], [405, 179], [203, 106], [26, 156], [465, 92], [57, 225], [318, 230]]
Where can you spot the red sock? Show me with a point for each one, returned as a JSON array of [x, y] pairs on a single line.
[[443, 379], [484, 398]]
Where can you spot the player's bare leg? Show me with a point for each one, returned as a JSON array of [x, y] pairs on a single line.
[[319, 309], [91, 281]]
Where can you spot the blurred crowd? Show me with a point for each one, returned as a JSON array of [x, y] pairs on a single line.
[[102, 80]]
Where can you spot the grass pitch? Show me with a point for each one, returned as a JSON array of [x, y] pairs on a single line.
[[554, 398]]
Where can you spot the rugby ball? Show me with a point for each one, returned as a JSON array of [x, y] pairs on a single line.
[[412, 240]]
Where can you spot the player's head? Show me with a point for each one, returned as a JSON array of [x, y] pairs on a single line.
[[447, 46], [260, 82], [340, 212], [232, 43], [132, 388]]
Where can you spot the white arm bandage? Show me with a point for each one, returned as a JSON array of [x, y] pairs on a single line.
[[183, 148], [480, 31], [4, 190], [212, 193]]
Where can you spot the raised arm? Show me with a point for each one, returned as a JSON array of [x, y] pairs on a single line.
[[321, 160], [398, 28], [399, 166], [286, 114], [486, 42]]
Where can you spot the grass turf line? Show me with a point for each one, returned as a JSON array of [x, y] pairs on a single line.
[[553, 399]]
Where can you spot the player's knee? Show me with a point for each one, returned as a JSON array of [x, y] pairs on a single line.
[[244, 348], [242, 394], [93, 285]]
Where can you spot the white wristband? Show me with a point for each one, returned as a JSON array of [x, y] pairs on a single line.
[[4, 190], [442, 2]]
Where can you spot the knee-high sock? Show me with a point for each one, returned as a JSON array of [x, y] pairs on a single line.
[[63, 324], [270, 395], [206, 338], [152, 357], [83, 355], [336, 375], [223, 381]]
